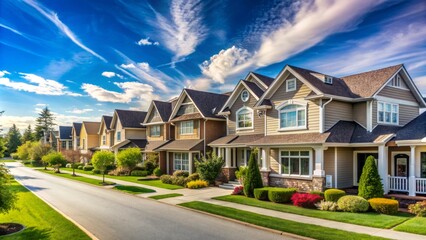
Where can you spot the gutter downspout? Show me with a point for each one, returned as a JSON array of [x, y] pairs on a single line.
[[322, 106], [205, 120]]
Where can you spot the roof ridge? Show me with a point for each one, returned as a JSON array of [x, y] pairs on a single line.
[[379, 69], [204, 91]]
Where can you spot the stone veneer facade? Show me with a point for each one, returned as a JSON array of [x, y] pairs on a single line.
[[227, 174], [316, 184]]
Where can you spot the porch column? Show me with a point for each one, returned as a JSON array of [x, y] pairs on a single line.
[[234, 157], [265, 159], [245, 157], [214, 150], [167, 163], [228, 157], [219, 152], [412, 178], [319, 162], [190, 163], [259, 155], [383, 167]]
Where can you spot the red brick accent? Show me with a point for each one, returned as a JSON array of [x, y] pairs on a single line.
[[227, 174]]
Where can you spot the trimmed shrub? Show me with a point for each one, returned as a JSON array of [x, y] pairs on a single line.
[[80, 167], [96, 171], [305, 200], [353, 204], [238, 190], [15, 156], [240, 174], [55, 160], [166, 179], [281, 195], [88, 168], [209, 167], [319, 193], [139, 168], [384, 205], [197, 184], [253, 179], [68, 165], [418, 208], [149, 166], [370, 184], [193, 177], [180, 173], [333, 195], [157, 172], [118, 172], [139, 173], [180, 181], [261, 193], [327, 206]]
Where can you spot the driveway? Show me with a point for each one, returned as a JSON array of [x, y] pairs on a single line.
[[110, 214]]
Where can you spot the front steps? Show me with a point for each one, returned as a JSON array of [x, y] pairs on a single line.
[[230, 185]]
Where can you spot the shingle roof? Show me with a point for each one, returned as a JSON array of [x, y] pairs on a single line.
[[92, 128], [416, 129], [131, 119], [77, 128], [152, 145], [208, 103], [254, 88], [223, 140], [187, 117], [183, 145], [303, 138], [65, 132], [352, 132], [140, 143], [265, 79], [107, 121], [164, 109]]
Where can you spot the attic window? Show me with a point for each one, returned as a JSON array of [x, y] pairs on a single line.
[[396, 81], [245, 96], [291, 85], [328, 80]]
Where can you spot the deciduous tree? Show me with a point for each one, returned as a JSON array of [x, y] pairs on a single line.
[[209, 167], [101, 160], [55, 160], [129, 158], [73, 156]]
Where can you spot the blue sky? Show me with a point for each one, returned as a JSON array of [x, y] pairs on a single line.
[[85, 58]]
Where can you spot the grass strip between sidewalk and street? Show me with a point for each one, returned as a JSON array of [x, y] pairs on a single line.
[[133, 189], [39, 219], [370, 219], [77, 178], [416, 225], [301, 229], [133, 179], [170, 195]]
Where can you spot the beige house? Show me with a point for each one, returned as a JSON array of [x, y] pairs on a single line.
[[126, 129], [89, 138], [105, 136]]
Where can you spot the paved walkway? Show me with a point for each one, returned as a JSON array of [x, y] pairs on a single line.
[[206, 195]]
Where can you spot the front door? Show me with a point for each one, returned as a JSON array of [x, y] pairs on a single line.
[[361, 157], [423, 165], [401, 165]]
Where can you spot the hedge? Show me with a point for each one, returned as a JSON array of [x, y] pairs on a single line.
[[384, 205], [281, 195]]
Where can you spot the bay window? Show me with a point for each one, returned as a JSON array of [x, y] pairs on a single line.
[[387, 113], [295, 163]]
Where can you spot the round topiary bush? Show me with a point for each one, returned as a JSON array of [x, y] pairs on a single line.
[[281, 195], [261, 193], [166, 179], [353, 204], [96, 171], [193, 177], [157, 172], [88, 168], [384, 205], [333, 195]]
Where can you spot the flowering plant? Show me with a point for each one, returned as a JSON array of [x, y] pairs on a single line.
[[238, 190]]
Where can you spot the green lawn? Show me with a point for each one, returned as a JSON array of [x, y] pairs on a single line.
[[40, 220], [302, 229], [133, 179], [416, 225], [76, 178], [170, 195], [370, 219], [133, 189], [7, 160]]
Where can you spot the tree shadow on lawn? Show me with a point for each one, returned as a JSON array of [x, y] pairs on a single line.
[[20, 177], [21, 189], [33, 234]]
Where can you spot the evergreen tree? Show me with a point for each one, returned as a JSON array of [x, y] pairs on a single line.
[[253, 179], [44, 123], [370, 184], [2, 147], [13, 140], [28, 135]]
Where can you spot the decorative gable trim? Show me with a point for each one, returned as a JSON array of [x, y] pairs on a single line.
[[235, 95], [263, 85], [182, 96], [152, 107]]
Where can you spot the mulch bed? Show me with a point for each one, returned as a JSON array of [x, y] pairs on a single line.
[[9, 228]]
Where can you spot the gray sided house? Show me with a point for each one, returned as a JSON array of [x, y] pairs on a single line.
[[64, 139], [126, 130]]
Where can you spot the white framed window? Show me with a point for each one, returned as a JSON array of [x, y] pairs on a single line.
[[103, 140], [181, 161], [63, 144], [70, 144], [328, 80], [290, 85], [292, 116], [155, 131], [245, 96], [244, 118], [387, 113], [118, 136], [296, 162], [186, 127]]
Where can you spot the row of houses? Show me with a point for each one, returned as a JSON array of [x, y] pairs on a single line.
[[312, 130]]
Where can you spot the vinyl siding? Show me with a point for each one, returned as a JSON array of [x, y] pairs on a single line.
[[344, 167], [93, 141], [274, 161], [152, 119], [258, 123], [118, 128], [134, 134], [393, 92], [83, 135], [360, 113], [329, 163], [336, 111], [407, 113], [374, 113]]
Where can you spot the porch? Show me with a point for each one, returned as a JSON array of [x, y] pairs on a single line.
[[403, 184]]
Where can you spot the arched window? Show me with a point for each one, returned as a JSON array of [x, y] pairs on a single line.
[[244, 118], [292, 116]]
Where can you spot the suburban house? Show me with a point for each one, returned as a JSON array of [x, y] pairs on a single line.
[[104, 132], [196, 124], [75, 135], [159, 131], [52, 139], [64, 141], [89, 138], [126, 130], [315, 130]]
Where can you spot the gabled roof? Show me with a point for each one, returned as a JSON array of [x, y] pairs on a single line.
[[77, 128], [254, 88], [107, 120], [183, 145], [265, 79], [130, 119], [164, 109], [91, 127], [65, 132], [140, 143], [414, 130]]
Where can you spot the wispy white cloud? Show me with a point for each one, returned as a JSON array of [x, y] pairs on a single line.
[[38, 85], [147, 42], [53, 17], [111, 74], [80, 111], [41, 105]]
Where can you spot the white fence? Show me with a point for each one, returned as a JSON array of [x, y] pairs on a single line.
[[421, 185], [399, 184]]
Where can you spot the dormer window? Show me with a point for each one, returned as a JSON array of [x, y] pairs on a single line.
[[245, 96], [328, 80], [290, 85]]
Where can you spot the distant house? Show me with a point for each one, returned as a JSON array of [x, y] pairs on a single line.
[[52, 139], [89, 138], [64, 141], [105, 136], [75, 133], [127, 130]]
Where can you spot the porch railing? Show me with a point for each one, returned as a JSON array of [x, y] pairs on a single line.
[[399, 184], [421, 185]]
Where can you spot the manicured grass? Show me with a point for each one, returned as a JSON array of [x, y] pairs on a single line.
[[133, 189], [77, 178], [416, 225], [370, 219], [133, 179], [40, 220], [6, 160], [301, 229], [170, 195]]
